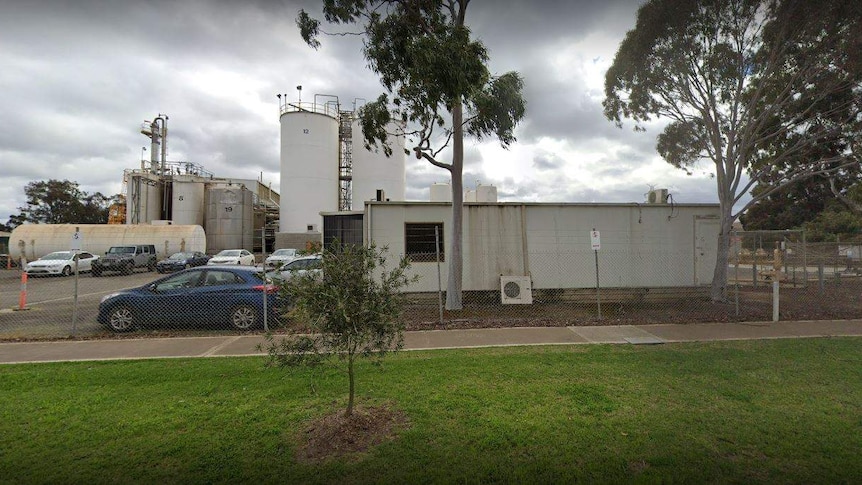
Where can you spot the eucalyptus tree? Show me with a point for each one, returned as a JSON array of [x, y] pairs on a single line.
[[61, 202], [438, 89], [751, 86]]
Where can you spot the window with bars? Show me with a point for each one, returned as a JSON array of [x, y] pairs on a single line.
[[419, 240]]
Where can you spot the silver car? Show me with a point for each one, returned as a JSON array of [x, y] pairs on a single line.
[[279, 258]]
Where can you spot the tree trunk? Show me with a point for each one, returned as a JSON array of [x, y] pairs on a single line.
[[456, 263], [718, 292], [350, 377]]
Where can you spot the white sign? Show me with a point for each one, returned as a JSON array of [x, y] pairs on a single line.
[[77, 240], [595, 240]]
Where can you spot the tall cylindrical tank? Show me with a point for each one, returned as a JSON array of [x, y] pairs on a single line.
[[188, 200], [373, 171], [309, 167], [144, 198], [229, 217], [36, 240]]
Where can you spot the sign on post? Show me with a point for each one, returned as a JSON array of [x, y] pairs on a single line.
[[595, 240], [596, 244], [76, 242]]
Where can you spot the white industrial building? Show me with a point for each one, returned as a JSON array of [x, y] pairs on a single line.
[[546, 245]]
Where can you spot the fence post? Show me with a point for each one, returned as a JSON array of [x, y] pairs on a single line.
[[265, 281], [775, 299], [821, 276], [439, 280], [22, 296]]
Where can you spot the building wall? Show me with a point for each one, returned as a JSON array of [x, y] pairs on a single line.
[[641, 245]]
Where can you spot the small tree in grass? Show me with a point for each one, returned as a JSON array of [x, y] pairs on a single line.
[[351, 310]]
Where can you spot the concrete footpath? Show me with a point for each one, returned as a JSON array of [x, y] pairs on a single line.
[[237, 345]]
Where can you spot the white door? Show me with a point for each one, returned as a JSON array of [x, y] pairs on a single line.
[[705, 249]]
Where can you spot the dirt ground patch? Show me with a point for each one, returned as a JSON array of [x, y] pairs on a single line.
[[834, 301], [338, 436]]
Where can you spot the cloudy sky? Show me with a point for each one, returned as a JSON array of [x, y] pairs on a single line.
[[77, 79]]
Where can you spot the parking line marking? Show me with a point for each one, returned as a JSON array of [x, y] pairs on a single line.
[[220, 346]]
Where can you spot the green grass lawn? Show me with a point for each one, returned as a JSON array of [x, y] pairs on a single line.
[[775, 411]]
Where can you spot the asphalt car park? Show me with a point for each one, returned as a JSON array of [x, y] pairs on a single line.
[[50, 301]]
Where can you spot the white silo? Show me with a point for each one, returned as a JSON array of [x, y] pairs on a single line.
[[309, 166], [144, 198], [229, 213], [187, 205], [373, 171]]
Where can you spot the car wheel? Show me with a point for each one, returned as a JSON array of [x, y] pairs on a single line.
[[121, 319], [243, 317], [96, 273], [129, 269], [187, 266], [67, 271]]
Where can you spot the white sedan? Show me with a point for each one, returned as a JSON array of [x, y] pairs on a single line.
[[233, 256], [60, 263], [279, 258]]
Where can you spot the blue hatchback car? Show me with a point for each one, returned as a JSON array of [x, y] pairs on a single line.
[[205, 295]]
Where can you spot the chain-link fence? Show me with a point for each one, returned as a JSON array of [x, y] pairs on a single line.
[[815, 281]]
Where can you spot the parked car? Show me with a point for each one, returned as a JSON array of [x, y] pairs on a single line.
[[279, 258], [60, 263], [178, 261], [126, 258], [233, 256], [204, 295], [299, 266]]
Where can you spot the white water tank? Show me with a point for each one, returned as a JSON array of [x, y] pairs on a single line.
[[373, 171], [309, 166], [36, 240], [187, 205], [441, 192]]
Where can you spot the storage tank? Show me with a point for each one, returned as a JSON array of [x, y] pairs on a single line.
[[36, 240], [441, 192], [187, 201], [229, 215], [374, 171], [144, 198], [309, 166]]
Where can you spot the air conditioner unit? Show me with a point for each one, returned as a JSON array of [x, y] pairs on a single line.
[[515, 290], [657, 196]]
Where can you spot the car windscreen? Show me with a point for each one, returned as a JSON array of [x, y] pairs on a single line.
[[123, 250], [228, 253], [284, 252], [180, 256], [58, 255]]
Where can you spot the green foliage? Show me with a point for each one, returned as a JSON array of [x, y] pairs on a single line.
[[798, 203], [767, 90], [61, 202], [438, 88], [834, 225], [429, 64], [351, 308]]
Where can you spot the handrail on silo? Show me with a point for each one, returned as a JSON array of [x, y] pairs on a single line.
[[311, 107]]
